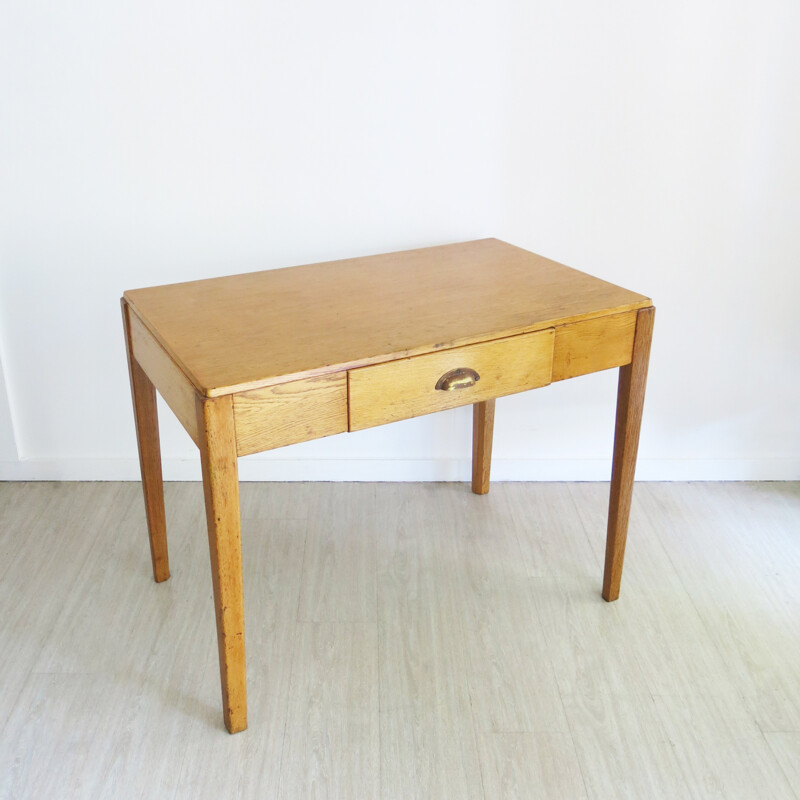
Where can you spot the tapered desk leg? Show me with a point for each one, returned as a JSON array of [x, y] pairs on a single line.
[[221, 488], [482, 430], [145, 412], [630, 400]]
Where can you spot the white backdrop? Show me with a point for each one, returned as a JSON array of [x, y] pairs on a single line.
[[652, 144]]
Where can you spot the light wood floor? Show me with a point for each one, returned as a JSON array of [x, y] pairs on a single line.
[[405, 641]]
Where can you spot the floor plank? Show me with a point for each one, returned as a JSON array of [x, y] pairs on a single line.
[[622, 748], [786, 748], [517, 766], [721, 751], [45, 565], [502, 630], [331, 746], [428, 747], [339, 570]]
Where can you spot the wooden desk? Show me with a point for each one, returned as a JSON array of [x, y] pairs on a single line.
[[266, 359]]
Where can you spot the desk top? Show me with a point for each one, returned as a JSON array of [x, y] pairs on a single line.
[[262, 328]]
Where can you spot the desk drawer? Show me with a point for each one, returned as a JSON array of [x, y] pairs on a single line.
[[408, 387]]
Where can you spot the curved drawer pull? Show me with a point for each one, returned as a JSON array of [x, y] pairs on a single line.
[[461, 378]]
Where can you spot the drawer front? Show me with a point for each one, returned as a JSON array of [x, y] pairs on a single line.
[[290, 412], [593, 345], [408, 387]]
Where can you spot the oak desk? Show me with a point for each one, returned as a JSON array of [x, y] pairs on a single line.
[[266, 359]]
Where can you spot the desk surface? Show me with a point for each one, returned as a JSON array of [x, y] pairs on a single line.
[[262, 328]]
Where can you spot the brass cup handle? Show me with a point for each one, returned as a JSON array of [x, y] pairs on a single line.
[[460, 378]]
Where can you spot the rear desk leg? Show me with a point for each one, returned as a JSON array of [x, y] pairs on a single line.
[[482, 430]]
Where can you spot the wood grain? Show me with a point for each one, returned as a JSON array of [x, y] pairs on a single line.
[[331, 744], [428, 745], [167, 377], [338, 315], [502, 634], [407, 388], [786, 748], [290, 412], [630, 402], [482, 432], [725, 753], [339, 576], [736, 545], [145, 411], [622, 749], [593, 345], [652, 580], [221, 489], [518, 766]]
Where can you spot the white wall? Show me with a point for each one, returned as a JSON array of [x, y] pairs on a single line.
[[8, 447], [653, 144]]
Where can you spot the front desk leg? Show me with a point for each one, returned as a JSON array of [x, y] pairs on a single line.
[[630, 400], [221, 488], [482, 431]]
